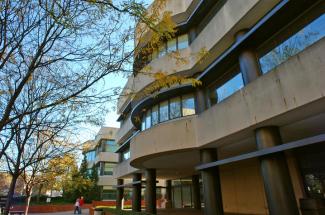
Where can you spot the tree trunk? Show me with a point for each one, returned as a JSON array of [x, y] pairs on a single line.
[[28, 197], [11, 193]]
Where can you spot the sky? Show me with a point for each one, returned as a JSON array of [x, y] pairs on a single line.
[[88, 132]]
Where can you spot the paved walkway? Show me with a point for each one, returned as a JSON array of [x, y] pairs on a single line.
[[84, 212]]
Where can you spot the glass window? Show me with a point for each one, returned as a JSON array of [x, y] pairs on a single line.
[[295, 44], [110, 146], [107, 168], [162, 50], [188, 105], [163, 111], [126, 154], [154, 115], [175, 108], [143, 123], [109, 194], [148, 119], [90, 156], [171, 45], [182, 41], [230, 87]]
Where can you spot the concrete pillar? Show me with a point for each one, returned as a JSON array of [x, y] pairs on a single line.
[[150, 196], [136, 193], [196, 191], [275, 172], [169, 193], [119, 194], [211, 184], [200, 101], [248, 62]]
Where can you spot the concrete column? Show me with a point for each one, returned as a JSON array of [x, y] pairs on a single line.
[[211, 184], [248, 62], [169, 193], [275, 172], [196, 192], [200, 101], [119, 194], [136, 193], [151, 191]]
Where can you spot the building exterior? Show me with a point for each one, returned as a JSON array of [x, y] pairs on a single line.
[[100, 152], [250, 139]]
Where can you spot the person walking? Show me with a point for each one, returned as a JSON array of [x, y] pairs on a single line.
[[81, 203], [77, 206]]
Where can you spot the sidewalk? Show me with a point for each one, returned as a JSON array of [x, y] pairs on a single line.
[[84, 212]]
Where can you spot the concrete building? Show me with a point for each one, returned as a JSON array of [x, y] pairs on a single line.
[[250, 139], [100, 152]]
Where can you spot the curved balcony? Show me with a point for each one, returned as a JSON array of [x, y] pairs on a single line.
[[292, 92], [106, 157], [123, 169], [124, 131], [175, 135]]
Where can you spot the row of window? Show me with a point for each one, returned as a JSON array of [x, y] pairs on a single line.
[[104, 146], [310, 34], [169, 109], [106, 168], [178, 43]]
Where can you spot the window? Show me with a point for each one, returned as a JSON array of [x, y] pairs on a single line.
[[154, 115], [163, 111], [107, 168], [90, 156], [148, 119], [108, 194], [229, 88], [143, 124], [188, 105], [169, 109], [175, 108], [109, 146], [162, 50], [171, 45], [295, 44], [182, 41], [126, 154]]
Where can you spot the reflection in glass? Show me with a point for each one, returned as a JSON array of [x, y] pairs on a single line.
[[295, 44], [143, 124], [148, 119], [230, 87], [154, 115], [162, 50], [171, 45], [108, 168], [188, 105], [110, 146], [183, 41], [175, 108], [163, 111]]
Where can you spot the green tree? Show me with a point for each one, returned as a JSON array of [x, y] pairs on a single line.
[[83, 170]]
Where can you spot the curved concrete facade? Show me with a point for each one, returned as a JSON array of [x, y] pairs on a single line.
[[232, 17], [287, 89]]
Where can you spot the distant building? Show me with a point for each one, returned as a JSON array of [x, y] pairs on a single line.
[[100, 152]]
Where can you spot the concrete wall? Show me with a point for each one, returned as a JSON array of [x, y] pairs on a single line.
[[123, 169], [242, 188], [124, 131], [106, 180], [106, 157]]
